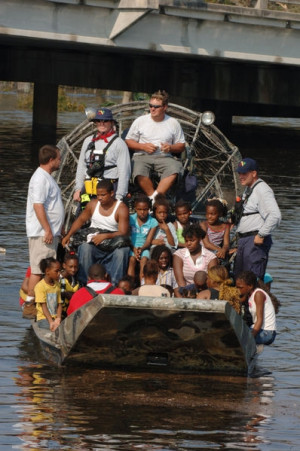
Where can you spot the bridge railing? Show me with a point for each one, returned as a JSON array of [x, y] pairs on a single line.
[[292, 6]]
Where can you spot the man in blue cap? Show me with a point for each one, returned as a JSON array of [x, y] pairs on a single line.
[[260, 216], [105, 156]]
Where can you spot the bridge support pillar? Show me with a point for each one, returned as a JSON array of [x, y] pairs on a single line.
[[44, 114], [223, 118]]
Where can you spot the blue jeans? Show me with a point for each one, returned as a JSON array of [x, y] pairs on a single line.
[[265, 337], [115, 263], [43, 324]]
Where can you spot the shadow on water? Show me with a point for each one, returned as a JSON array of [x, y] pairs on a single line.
[[96, 409]]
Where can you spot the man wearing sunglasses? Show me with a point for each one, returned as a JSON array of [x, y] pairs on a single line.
[[154, 139], [107, 148]]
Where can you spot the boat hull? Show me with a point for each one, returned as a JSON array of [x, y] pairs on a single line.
[[143, 333]]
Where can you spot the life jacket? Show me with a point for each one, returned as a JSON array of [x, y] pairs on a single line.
[[238, 212], [95, 161]]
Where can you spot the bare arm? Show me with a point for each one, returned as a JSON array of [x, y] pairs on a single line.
[[149, 239], [226, 243], [136, 146], [178, 270], [47, 313], [172, 148], [204, 294], [40, 212], [164, 226], [24, 286], [226, 239], [57, 320], [259, 300], [213, 262], [78, 223]]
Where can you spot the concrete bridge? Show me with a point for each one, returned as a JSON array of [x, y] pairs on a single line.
[[234, 60]]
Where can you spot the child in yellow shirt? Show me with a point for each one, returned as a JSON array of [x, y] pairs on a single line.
[[47, 295]]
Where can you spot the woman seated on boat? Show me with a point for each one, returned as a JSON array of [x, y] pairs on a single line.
[[150, 272], [103, 155], [219, 286], [97, 283], [260, 306], [193, 257]]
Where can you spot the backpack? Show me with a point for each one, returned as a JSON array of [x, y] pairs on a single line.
[[94, 293]]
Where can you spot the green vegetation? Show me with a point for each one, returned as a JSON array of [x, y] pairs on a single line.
[[66, 103], [71, 99]]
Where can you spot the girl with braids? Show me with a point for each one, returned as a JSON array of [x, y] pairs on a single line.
[[220, 287], [217, 231], [260, 306], [47, 295], [163, 255]]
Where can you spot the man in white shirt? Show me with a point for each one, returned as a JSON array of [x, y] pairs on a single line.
[[44, 214], [154, 139]]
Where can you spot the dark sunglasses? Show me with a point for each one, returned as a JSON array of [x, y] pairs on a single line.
[[97, 121], [155, 106]]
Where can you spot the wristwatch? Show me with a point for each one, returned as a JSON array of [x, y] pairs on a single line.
[[260, 235]]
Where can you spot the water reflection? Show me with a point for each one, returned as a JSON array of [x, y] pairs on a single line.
[[110, 410]]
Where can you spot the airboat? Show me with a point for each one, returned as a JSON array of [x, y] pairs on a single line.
[[209, 155], [164, 334]]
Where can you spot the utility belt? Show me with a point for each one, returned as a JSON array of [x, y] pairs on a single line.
[[244, 235], [90, 185]]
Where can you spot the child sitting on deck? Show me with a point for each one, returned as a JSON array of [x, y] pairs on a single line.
[[220, 286], [47, 295], [183, 212], [163, 256], [191, 290], [142, 229], [260, 306], [126, 284], [98, 283], [165, 232], [217, 231], [150, 288], [68, 282]]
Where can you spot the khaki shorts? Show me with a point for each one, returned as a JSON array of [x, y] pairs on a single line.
[[164, 166], [39, 250]]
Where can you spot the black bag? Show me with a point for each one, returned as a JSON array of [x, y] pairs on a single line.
[[107, 245]]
